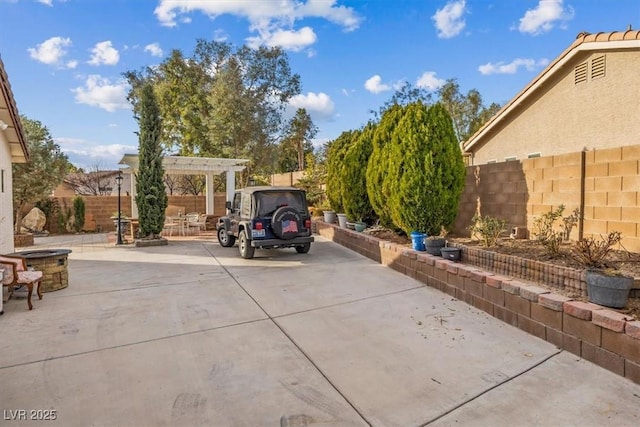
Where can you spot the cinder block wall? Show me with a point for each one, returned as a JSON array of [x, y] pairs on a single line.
[[100, 209], [521, 191], [286, 179]]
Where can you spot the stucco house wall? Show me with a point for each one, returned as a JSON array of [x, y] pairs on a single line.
[[6, 203], [567, 117], [13, 149], [586, 99]]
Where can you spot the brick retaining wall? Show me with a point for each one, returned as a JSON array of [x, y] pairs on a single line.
[[598, 334]]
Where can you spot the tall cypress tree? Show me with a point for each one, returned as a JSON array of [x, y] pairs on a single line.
[[377, 174], [151, 196], [431, 176], [354, 194], [336, 151]]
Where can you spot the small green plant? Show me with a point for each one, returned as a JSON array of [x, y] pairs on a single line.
[[78, 214], [592, 252], [545, 232], [487, 228]]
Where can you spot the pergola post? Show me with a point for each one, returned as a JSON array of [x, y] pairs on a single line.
[[231, 183], [210, 193], [134, 205]]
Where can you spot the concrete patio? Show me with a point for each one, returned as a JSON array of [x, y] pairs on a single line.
[[190, 334]]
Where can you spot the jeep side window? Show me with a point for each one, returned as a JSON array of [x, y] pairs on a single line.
[[246, 206], [235, 207]]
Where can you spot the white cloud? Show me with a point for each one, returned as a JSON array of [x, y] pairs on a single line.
[[544, 16], [449, 20], [71, 64], [375, 85], [51, 51], [104, 54], [86, 154], [100, 92], [287, 39], [318, 105], [272, 20], [46, 2], [513, 66], [428, 80], [154, 49]]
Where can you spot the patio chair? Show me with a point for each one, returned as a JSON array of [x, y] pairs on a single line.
[[16, 274], [196, 222], [170, 225]]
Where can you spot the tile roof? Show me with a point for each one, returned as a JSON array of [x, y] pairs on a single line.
[[611, 40]]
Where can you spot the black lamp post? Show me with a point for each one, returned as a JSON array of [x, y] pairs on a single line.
[[119, 231]]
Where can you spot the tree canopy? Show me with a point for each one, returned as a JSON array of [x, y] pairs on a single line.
[[222, 101], [45, 170]]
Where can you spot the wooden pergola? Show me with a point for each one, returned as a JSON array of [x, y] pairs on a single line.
[[179, 165]]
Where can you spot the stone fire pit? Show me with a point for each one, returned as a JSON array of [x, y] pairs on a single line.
[[53, 264]]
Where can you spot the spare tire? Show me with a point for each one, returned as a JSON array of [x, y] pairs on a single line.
[[286, 223]]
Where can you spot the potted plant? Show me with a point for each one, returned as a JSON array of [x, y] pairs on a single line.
[[360, 225], [449, 252], [433, 244], [605, 285]]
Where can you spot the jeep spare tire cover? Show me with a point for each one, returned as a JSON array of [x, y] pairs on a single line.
[[286, 223]]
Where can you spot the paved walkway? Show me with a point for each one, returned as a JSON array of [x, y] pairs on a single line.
[[190, 334]]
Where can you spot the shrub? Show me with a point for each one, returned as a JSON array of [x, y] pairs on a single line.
[[377, 174], [546, 233], [488, 228], [426, 169], [78, 214], [336, 150], [591, 252], [355, 199]]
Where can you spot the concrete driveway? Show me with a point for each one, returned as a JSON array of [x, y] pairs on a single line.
[[191, 334]]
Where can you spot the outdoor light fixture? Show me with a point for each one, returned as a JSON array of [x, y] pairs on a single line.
[[252, 181], [3, 125], [119, 231]]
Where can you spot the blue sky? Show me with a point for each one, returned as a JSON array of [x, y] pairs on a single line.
[[65, 58]]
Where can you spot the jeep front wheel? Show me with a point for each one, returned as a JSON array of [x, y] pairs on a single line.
[[246, 250], [225, 239]]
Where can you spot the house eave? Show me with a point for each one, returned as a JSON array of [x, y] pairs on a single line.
[[541, 79], [10, 123]]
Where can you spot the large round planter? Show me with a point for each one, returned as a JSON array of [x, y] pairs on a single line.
[[342, 220], [433, 245], [329, 217], [607, 289]]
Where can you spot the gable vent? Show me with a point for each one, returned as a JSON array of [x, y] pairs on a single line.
[[580, 73], [598, 67]]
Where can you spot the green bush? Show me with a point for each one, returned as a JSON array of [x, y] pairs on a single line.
[[336, 151], [355, 199], [78, 214], [377, 174], [488, 228], [426, 170]]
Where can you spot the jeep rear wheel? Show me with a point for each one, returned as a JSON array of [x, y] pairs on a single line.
[[225, 239], [246, 250], [304, 248]]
